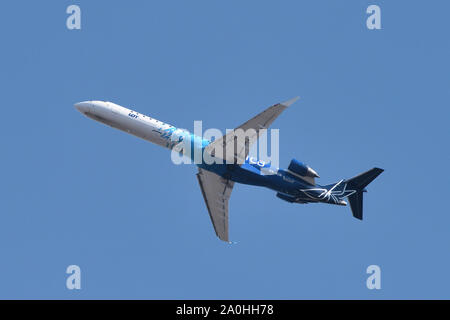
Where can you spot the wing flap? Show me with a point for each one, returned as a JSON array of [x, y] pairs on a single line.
[[236, 150], [216, 193]]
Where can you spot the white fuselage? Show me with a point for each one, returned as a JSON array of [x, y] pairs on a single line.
[[132, 122]]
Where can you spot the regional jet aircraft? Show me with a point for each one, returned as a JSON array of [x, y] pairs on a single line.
[[296, 184]]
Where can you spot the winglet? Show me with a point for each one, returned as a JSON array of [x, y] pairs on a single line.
[[289, 102]]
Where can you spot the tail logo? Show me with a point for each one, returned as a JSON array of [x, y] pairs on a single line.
[[336, 193]]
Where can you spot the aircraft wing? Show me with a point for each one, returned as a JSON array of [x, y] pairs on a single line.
[[216, 192], [241, 148]]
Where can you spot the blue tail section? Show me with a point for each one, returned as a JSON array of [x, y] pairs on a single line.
[[353, 190], [358, 184]]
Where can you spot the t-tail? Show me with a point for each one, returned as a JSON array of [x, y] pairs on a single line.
[[358, 184], [352, 189]]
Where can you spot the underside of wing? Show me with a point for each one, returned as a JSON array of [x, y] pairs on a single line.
[[216, 192], [235, 145]]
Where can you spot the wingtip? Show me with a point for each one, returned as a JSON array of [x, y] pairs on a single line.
[[289, 102]]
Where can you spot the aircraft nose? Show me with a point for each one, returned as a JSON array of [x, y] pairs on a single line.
[[83, 107]]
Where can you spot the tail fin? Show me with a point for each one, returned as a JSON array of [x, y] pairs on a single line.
[[358, 184]]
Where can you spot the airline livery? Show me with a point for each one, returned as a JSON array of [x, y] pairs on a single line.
[[296, 184]]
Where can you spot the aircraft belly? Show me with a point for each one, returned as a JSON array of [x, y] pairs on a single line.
[[245, 176], [124, 123]]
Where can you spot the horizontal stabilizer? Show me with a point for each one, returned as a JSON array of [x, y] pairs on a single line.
[[362, 180], [358, 183]]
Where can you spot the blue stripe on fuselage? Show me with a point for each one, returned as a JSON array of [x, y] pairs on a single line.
[[251, 174]]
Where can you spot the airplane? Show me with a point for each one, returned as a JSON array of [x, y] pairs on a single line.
[[296, 184]]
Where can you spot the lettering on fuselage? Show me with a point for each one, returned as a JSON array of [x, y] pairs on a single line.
[[287, 179], [188, 146], [165, 134], [259, 163]]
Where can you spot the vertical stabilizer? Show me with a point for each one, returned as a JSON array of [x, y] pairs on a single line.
[[358, 184]]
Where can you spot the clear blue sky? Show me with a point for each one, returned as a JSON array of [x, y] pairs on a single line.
[[74, 191]]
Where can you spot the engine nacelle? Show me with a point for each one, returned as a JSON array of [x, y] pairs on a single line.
[[302, 169]]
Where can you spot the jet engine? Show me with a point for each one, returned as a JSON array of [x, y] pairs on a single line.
[[302, 169]]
